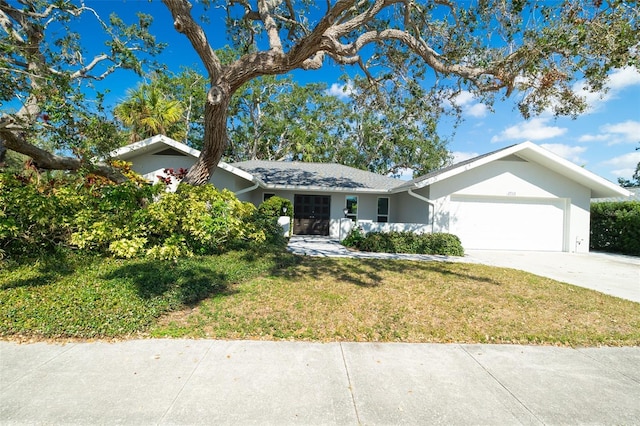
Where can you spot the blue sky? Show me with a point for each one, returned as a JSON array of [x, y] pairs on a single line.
[[603, 140]]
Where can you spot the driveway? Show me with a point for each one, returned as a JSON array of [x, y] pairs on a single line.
[[612, 274]]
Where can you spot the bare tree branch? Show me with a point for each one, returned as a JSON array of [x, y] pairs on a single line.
[[184, 23]]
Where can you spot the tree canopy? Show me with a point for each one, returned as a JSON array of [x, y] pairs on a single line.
[[528, 49]]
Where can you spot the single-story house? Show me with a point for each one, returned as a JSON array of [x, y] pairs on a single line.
[[521, 197]]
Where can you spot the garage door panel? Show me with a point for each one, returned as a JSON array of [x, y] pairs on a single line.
[[508, 224]]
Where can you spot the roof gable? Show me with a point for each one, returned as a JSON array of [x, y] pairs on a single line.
[[526, 151], [158, 144]]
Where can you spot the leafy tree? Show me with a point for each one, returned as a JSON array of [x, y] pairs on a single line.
[[635, 179], [43, 71], [384, 132], [531, 49], [189, 88], [147, 112], [277, 119], [393, 129]]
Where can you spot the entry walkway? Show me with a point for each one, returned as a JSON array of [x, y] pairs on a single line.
[[311, 245], [207, 382], [612, 274]]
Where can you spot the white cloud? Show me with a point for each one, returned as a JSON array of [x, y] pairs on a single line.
[[624, 165], [340, 91], [568, 152], [629, 130], [463, 98], [466, 100], [478, 110], [535, 129], [624, 132], [618, 80], [593, 138], [623, 78], [459, 156]]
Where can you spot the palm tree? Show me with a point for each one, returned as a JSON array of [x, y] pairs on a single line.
[[147, 112]]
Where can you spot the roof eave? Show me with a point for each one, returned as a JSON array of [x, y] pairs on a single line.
[[148, 144], [312, 188]]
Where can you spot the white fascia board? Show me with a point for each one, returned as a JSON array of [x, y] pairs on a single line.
[[240, 173], [149, 143], [472, 165], [599, 186], [532, 152], [325, 189]]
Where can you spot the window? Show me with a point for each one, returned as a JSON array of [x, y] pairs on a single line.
[[352, 207], [383, 209], [267, 195]]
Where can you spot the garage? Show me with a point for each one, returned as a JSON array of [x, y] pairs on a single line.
[[507, 223]]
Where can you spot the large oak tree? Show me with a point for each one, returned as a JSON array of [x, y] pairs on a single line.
[[531, 50], [46, 72]]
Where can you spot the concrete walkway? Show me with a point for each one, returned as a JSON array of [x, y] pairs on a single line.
[[612, 274], [192, 382]]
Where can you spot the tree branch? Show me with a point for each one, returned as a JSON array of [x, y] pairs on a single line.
[[184, 23], [270, 26], [16, 141]]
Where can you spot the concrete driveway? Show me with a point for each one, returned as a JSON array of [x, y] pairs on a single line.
[[612, 274]]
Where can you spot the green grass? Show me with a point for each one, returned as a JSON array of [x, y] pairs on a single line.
[[86, 297], [274, 295]]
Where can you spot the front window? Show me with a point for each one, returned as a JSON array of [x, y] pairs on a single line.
[[352, 207], [383, 209]]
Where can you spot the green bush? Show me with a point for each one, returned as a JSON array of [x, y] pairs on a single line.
[[267, 218], [274, 207], [405, 242], [615, 227], [126, 220]]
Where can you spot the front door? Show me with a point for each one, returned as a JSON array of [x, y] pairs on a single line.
[[311, 214]]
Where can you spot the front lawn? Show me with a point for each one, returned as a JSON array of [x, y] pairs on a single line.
[[247, 295]]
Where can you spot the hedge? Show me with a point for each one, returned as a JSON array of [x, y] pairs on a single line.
[[405, 242], [615, 227]]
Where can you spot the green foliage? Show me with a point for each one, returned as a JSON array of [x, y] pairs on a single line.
[[274, 207], [85, 297], [126, 220], [47, 72], [615, 227], [382, 131], [267, 218], [354, 238], [405, 242]]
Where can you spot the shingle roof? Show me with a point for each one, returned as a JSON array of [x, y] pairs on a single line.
[[316, 175]]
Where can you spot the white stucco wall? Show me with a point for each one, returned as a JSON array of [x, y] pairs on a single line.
[[517, 180]]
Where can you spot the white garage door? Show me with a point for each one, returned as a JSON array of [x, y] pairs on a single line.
[[508, 223]]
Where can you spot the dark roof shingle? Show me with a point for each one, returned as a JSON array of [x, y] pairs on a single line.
[[317, 175]]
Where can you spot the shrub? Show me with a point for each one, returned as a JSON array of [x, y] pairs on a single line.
[[354, 238], [274, 207], [405, 242], [267, 218], [126, 220], [615, 227]]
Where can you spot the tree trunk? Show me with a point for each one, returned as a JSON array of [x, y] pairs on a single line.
[[215, 137]]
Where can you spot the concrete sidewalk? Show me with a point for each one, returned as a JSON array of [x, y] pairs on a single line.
[[250, 382]]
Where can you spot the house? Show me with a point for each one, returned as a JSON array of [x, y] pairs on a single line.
[[521, 197]]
